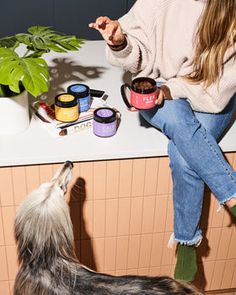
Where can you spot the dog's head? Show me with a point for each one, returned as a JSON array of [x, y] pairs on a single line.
[[43, 221], [63, 176]]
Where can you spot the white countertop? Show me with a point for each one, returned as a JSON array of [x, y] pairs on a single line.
[[89, 66]]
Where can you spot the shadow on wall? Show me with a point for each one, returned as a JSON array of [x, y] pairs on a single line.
[[83, 243], [203, 249], [65, 71]]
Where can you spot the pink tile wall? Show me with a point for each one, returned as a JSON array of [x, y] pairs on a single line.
[[122, 214]]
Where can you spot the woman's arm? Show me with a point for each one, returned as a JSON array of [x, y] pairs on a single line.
[[214, 98], [136, 27]]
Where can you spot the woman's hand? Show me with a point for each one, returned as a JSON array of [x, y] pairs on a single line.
[[164, 93], [110, 30]]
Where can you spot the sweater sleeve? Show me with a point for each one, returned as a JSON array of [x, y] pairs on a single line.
[[134, 57], [212, 99]]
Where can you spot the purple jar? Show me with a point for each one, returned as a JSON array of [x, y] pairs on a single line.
[[104, 122]]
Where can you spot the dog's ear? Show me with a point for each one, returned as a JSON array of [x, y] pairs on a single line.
[[63, 176]]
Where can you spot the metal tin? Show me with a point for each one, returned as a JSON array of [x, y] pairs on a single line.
[[82, 93], [66, 108], [104, 122]]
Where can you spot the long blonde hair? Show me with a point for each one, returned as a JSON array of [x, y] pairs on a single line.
[[216, 34]]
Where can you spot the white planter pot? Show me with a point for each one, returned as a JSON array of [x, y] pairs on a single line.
[[14, 114]]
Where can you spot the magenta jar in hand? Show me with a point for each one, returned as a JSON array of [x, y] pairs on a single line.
[[143, 93], [104, 122]]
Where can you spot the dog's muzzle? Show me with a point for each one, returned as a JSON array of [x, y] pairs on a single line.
[[68, 164]]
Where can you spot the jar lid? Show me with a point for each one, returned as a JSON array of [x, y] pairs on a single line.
[[65, 100], [104, 115], [79, 90]]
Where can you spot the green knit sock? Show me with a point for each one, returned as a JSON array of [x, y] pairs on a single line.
[[233, 210], [186, 266]]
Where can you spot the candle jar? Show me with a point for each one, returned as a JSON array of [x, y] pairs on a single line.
[[82, 93], [66, 108], [143, 93], [104, 122]]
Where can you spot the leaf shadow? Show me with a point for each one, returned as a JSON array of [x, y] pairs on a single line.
[[66, 71]]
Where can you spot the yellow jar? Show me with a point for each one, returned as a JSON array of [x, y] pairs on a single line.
[[66, 108]]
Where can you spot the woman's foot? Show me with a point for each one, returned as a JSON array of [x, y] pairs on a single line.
[[231, 204], [186, 266], [233, 210]]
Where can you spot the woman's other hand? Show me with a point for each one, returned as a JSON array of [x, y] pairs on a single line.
[[164, 93], [109, 29]]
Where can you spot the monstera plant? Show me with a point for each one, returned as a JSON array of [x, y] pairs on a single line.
[[24, 70], [28, 70]]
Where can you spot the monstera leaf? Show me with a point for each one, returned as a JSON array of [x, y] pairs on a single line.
[[43, 39], [8, 42], [32, 73]]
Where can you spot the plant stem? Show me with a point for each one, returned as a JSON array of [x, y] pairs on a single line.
[[16, 45], [26, 53], [2, 93]]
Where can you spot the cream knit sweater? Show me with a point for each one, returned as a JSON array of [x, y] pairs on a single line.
[[160, 36]]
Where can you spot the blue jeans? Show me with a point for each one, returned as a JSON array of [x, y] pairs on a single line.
[[195, 159]]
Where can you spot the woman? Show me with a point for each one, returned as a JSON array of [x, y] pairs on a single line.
[[191, 47]]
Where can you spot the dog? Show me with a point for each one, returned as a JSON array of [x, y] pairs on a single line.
[[47, 260]]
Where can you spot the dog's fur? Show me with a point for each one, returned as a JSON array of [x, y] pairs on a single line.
[[48, 264]]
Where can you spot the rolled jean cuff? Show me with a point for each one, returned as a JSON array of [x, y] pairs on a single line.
[[227, 199], [194, 242]]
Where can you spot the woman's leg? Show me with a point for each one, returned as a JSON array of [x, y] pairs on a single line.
[[196, 145], [188, 188]]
